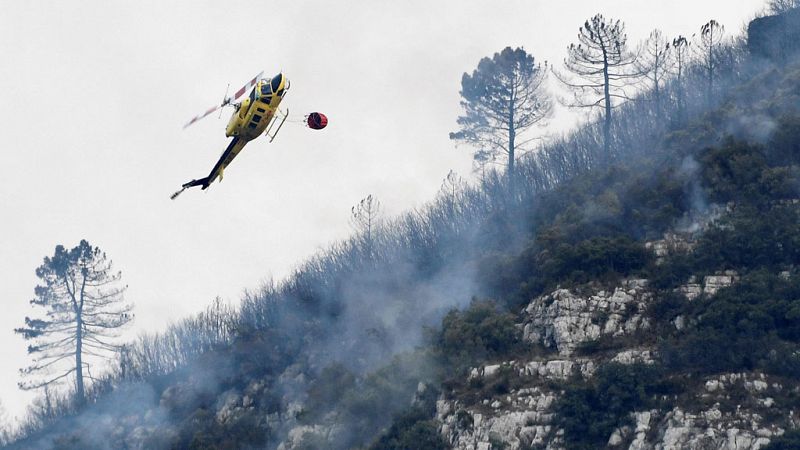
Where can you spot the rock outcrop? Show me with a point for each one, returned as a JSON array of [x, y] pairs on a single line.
[[521, 420], [737, 411], [709, 285], [775, 38], [564, 319]]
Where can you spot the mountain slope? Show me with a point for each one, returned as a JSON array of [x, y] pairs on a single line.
[[647, 301]]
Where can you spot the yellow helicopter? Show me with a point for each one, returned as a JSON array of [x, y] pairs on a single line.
[[256, 114]]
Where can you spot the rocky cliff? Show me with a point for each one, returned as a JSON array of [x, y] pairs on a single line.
[[776, 38], [729, 411]]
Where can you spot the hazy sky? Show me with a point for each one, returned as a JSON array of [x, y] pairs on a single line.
[[95, 93]]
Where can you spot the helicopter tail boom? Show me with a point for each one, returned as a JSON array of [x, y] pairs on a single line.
[[202, 182], [234, 147]]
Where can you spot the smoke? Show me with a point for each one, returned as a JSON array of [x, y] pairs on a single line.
[[693, 220], [363, 307], [370, 329], [131, 406], [385, 311], [757, 127]]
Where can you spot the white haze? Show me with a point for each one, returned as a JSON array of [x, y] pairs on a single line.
[[95, 93]]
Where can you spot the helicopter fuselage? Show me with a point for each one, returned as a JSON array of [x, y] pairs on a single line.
[[252, 117], [253, 114]]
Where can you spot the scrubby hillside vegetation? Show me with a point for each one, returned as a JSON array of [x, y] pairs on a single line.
[[644, 298]]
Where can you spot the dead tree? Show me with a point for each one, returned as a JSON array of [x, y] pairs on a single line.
[[655, 63], [364, 219], [680, 53], [603, 68], [707, 48]]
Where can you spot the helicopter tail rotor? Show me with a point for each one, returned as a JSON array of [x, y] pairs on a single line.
[[176, 194], [202, 182]]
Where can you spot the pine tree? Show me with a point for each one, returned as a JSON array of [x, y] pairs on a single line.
[[502, 99], [603, 68], [84, 309]]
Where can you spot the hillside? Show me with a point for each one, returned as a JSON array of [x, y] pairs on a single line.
[[647, 299]]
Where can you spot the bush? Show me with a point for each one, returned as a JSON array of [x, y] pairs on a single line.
[[784, 146], [479, 333], [672, 272], [732, 172], [667, 306], [739, 172], [750, 325], [589, 229], [750, 238], [368, 403], [592, 259], [326, 390], [201, 430], [554, 259], [789, 441], [413, 429], [590, 411]]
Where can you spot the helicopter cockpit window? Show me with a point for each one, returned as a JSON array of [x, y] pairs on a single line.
[[266, 89], [276, 82]]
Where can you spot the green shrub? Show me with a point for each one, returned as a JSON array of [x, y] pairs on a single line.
[[750, 325], [479, 333], [413, 429], [674, 271], [784, 145], [732, 172], [590, 411], [750, 238], [789, 441], [326, 390], [554, 260], [595, 258], [201, 430], [739, 172], [370, 402], [666, 306]]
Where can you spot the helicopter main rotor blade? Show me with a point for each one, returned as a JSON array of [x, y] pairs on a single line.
[[250, 85], [196, 118], [228, 100]]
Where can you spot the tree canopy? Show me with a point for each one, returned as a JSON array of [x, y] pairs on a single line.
[[84, 307], [503, 98], [603, 67]]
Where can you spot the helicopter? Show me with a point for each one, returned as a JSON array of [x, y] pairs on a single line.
[[258, 113]]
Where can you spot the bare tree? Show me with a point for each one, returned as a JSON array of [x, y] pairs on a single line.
[[502, 99], [655, 63], [782, 6], [680, 52], [707, 49], [364, 218], [450, 198], [604, 68], [85, 308], [451, 186]]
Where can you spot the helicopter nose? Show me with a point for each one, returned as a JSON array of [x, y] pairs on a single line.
[[276, 82]]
